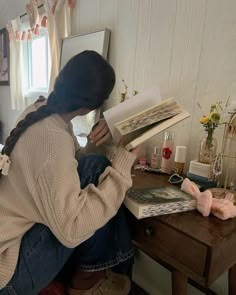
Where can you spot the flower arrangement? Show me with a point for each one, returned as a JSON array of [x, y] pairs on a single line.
[[211, 121]]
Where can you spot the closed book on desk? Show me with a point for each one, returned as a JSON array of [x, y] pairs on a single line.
[[158, 201]]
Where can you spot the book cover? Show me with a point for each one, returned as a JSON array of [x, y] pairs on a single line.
[[158, 201], [143, 116]]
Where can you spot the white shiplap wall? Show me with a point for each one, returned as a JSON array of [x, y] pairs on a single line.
[[187, 47]]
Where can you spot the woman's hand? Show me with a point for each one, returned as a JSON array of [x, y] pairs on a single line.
[[123, 143], [100, 133]]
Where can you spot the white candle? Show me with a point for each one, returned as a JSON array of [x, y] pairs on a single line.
[[180, 154]]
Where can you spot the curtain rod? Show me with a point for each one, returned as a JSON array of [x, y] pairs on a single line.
[[26, 12]]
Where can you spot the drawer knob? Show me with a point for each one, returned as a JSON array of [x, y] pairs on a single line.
[[148, 231]]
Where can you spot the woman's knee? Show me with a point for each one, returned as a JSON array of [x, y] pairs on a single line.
[[90, 167], [93, 161]]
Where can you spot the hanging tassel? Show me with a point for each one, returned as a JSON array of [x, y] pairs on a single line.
[[29, 35], [57, 6], [17, 34], [53, 8], [71, 3], [44, 22], [4, 164], [23, 36], [10, 31], [36, 30], [32, 11]]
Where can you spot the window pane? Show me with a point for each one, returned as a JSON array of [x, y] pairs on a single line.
[[39, 63]]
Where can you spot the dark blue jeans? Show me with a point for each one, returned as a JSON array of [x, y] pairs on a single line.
[[42, 257]]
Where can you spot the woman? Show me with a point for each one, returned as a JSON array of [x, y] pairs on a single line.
[[51, 209]]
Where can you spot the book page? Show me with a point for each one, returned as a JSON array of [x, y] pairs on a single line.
[[130, 107], [160, 112], [156, 128]]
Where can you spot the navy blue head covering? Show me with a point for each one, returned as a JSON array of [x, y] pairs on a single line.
[[84, 82]]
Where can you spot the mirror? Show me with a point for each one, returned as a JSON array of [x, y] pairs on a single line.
[[97, 41]]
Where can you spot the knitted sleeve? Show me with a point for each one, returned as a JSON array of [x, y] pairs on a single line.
[[77, 146], [72, 213]]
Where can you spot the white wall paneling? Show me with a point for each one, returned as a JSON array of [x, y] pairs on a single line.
[[143, 42], [109, 18], [126, 41]]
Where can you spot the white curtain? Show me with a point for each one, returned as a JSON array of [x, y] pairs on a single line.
[[59, 27], [16, 88]]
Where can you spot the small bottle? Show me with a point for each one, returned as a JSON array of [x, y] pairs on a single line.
[[180, 158], [167, 153], [155, 158]]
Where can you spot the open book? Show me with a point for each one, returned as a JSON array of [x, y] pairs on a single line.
[[143, 116]]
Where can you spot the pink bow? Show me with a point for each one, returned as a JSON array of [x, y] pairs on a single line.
[[206, 203]]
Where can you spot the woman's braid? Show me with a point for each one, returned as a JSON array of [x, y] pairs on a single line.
[[31, 118]]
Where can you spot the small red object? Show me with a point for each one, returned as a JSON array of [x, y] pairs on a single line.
[[142, 160], [166, 153], [54, 288]]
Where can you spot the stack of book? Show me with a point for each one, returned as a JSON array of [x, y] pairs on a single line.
[[201, 174]]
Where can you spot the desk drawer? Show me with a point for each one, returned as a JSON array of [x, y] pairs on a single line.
[[174, 244]]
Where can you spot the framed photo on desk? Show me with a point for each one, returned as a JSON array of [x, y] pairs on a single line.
[[4, 58]]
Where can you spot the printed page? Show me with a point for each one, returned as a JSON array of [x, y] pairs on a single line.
[[130, 107], [166, 109], [157, 128]]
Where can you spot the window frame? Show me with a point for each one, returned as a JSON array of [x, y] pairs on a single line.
[[31, 92]]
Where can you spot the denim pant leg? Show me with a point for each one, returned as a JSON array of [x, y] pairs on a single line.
[[40, 259], [42, 256], [108, 247], [111, 244], [90, 167]]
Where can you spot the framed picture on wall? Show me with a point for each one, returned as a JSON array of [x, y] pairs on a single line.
[[4, 58]]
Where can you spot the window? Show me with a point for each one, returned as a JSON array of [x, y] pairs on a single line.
[[36, 65]]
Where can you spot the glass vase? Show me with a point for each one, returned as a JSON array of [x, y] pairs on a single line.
[[207, 150]]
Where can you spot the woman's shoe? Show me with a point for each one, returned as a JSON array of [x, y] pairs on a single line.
[[112, 284]]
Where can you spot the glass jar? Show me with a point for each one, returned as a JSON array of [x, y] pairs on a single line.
[[207, 150]]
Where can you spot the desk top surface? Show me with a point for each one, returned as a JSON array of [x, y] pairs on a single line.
[[209, 230]]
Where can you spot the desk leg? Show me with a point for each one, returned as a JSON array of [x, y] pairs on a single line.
[[179, 283], [232, 280]]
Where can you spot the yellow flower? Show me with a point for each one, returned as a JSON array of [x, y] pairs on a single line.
[[204, 120], [215, 117]]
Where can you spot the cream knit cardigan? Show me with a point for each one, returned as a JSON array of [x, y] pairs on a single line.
[[43, 187]]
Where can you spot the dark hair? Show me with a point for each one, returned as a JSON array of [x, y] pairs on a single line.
[[86, 81]]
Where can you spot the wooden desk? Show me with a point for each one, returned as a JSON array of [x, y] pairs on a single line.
[[194, 248]]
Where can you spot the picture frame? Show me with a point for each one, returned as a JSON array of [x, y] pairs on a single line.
[[4, 58]]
